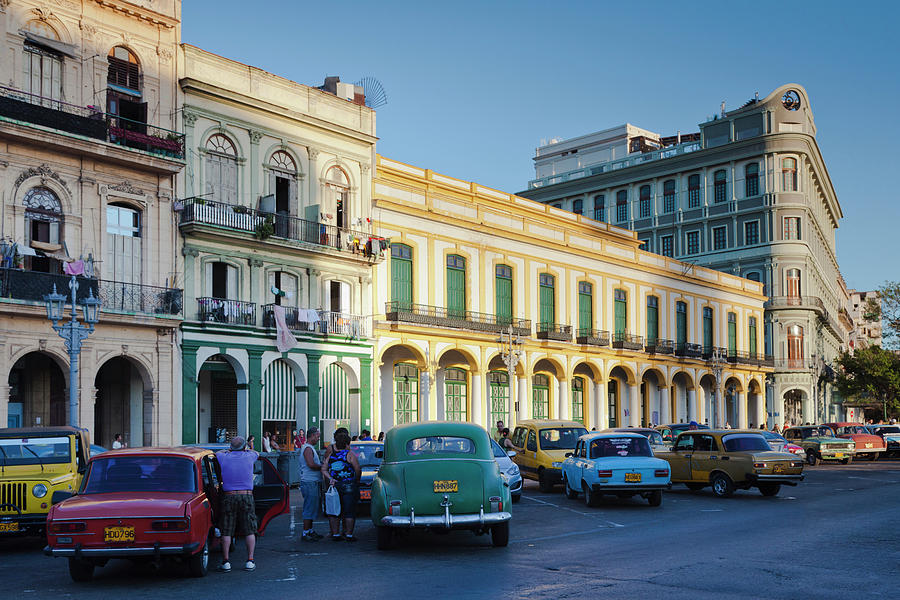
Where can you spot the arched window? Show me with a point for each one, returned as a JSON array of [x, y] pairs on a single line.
[[283, 184], [220, 169], [600, 208], [789, 174], [124, 70], [669, 196], [43, 221], [751, 179], [123, 244], [540, 397], [406, 393], [795, 347], [644, 201], [578, 206], [283, 161], [720, 187], [339, 185], [123, 82], [621, 206], [455, 395], [694, 191], [42, 65]]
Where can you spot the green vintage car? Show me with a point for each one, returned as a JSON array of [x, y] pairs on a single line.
[[820, 443], [440, 476]]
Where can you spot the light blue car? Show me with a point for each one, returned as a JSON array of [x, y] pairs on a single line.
[[618, 464]]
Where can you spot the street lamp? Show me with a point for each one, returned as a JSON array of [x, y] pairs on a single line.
[[511, 352], [716, 366], [73, 333]]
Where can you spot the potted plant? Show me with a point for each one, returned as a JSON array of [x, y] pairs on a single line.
[[265, 228]]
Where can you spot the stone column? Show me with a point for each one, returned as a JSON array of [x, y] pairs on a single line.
[[523, 399], [189, 395], [634, 405], [512, 395], [313, 178], [742, 410], [563, 400], [692, 406], [257, 284], [665, 406], [477, 415], [365, 394], [254, 393], [315, 292], [312, 391], [601, 406], [255, 137]]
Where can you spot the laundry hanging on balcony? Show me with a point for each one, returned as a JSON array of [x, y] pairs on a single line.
[[284, 339]]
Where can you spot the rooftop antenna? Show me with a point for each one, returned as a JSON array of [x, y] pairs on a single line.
[[756, 96], [723, 108], [374, 91]]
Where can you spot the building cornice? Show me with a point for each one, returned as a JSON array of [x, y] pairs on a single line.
[[139, 12]]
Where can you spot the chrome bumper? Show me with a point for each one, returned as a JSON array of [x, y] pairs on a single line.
[[785, 479], [185, 550], [447, 521]]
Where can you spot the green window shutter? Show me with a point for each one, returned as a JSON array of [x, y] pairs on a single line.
[[578, 399], [621, 313], [680, 328], [455, 395], [752, 335], [499, 390], [585, 311], [652, 320], [613, 404], [732, 334], [503, 292], [406, 393], [707, 330], [456, 286], [540, 400], [401, 281], [548, 300]]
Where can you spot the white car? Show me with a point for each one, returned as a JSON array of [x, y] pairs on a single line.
[[510, 470]]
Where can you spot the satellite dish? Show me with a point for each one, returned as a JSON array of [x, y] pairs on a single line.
[[374, 91]]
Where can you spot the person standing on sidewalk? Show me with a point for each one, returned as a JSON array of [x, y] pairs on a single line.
[[310, 484], [340, 468], [238, 508]]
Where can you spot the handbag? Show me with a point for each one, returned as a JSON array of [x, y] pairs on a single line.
[[332, 502]]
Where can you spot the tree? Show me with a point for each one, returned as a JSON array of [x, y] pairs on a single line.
[[886, 308], [871, 373]]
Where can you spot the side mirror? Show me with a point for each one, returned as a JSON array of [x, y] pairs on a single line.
[[568, 455], [511, 453], [379, 454], [59, 496]]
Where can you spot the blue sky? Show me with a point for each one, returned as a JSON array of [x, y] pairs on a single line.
[[473, 87]]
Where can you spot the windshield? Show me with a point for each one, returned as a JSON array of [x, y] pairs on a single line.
[[498, 451], [817, 431], [749, 442], [889, 429], [140, 474], [623, 446], [365, 454], [771, 435], [440, 445], [561, 438], [851, 429], [655, 438], [36, 450]]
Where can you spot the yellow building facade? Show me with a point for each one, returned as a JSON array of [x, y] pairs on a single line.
[[496, 307]]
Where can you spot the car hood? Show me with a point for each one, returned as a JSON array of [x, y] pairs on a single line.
[[558, 455], [122, 504], [865, 438], [824, 439]]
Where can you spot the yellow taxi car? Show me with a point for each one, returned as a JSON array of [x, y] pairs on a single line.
[[730, 459], [38, 462], [541, 447]]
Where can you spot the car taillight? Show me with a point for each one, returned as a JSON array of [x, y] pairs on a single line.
[[759, 465], [604, 473], [171, 525], [394, 503], [496, 504], [661, 472], [71, 527]]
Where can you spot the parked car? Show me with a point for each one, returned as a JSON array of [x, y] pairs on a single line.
[[510, 469], [95, 450], [866, 443], [541, 447], [819, 443], [891, 436], [369, 456], [657, 444], [730, 459], [151, 503], [35, 464], [670, 432], [779, 444], [614, 463], [440, 476]]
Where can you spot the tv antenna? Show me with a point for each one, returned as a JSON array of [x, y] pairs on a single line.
[[374, 91]]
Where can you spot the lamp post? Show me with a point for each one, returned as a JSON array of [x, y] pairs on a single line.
[[511, 352], [73, 333], [716, 366]]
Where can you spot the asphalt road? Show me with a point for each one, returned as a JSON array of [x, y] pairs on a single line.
[[834, 536]]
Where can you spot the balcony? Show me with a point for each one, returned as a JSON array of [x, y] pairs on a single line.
[[115, 296], [791, 364], [421, 314], [811, 302], [749, 358], [686, 350], [659, 346], [227, 312], [320, 321], [592, 337], [89, 122], [622, 340], [235, 217], [554, 331]]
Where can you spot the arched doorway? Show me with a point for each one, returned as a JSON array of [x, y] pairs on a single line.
[[682, 395], [406, 393], [217, 398], [458, 395], [37, 392], [652, 410], [793, 407], [279, 401], [546, 404], [119, 406], [756, 409], [710, 411], [403, 391], [620, 406]]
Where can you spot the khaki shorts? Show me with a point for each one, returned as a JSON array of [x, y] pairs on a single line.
[[238, 515]]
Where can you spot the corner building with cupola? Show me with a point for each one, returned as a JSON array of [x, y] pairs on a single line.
[[605, 333]]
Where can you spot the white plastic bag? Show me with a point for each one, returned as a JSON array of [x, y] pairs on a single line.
[[332, 502]]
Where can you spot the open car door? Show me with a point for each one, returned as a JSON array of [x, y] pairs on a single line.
[[270, 493]]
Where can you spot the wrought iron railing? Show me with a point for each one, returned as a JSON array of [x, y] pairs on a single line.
[[423, 314], [264, 224], [90, 122], [231, 312], [622, 340], [553, 331], [792, 364], [659, 346], [785, 301], [688, 350], [116, 296], [740, 357], [710, 351], [592, 337], [320, 321]]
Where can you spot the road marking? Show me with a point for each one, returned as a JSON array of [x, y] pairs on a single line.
[[786, 497], [544, 502], [292, 575], [615, 524], [563, 535], [871, 479], [711, 510]]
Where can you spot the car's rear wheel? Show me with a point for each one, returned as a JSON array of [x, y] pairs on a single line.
[[655, 498], [847, 461], [769, 489], [570, 493], [384, 537], [590, 498], [516, 497], [694, 487], [500, 535], [80, 570], [198, 564], [811, 458], [544, 483], [722, 485]]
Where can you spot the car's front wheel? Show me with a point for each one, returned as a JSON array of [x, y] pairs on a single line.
[[500, 535], [655, 498], [570, 493], [770, 489], [847, 461], [722, 485], [80, 570], [811, 458], [198, 564], [384, 537]]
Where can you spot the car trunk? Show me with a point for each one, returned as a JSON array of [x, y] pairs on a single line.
[[419, 478], [645, 467]]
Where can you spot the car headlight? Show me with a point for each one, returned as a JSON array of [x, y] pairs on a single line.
[[39, 490], [512, 471], [556, 465]]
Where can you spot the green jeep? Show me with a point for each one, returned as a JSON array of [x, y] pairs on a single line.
[[820, 443], [38, 462]]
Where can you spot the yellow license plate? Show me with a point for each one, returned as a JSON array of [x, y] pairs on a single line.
[[839, 455], [118, 534], [778, 468], [868, 445], [632, 477], [365, 494], [8, 527], [446, 486]]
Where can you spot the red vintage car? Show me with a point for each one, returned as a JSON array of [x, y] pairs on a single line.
[[867, 443], [151, 504]]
